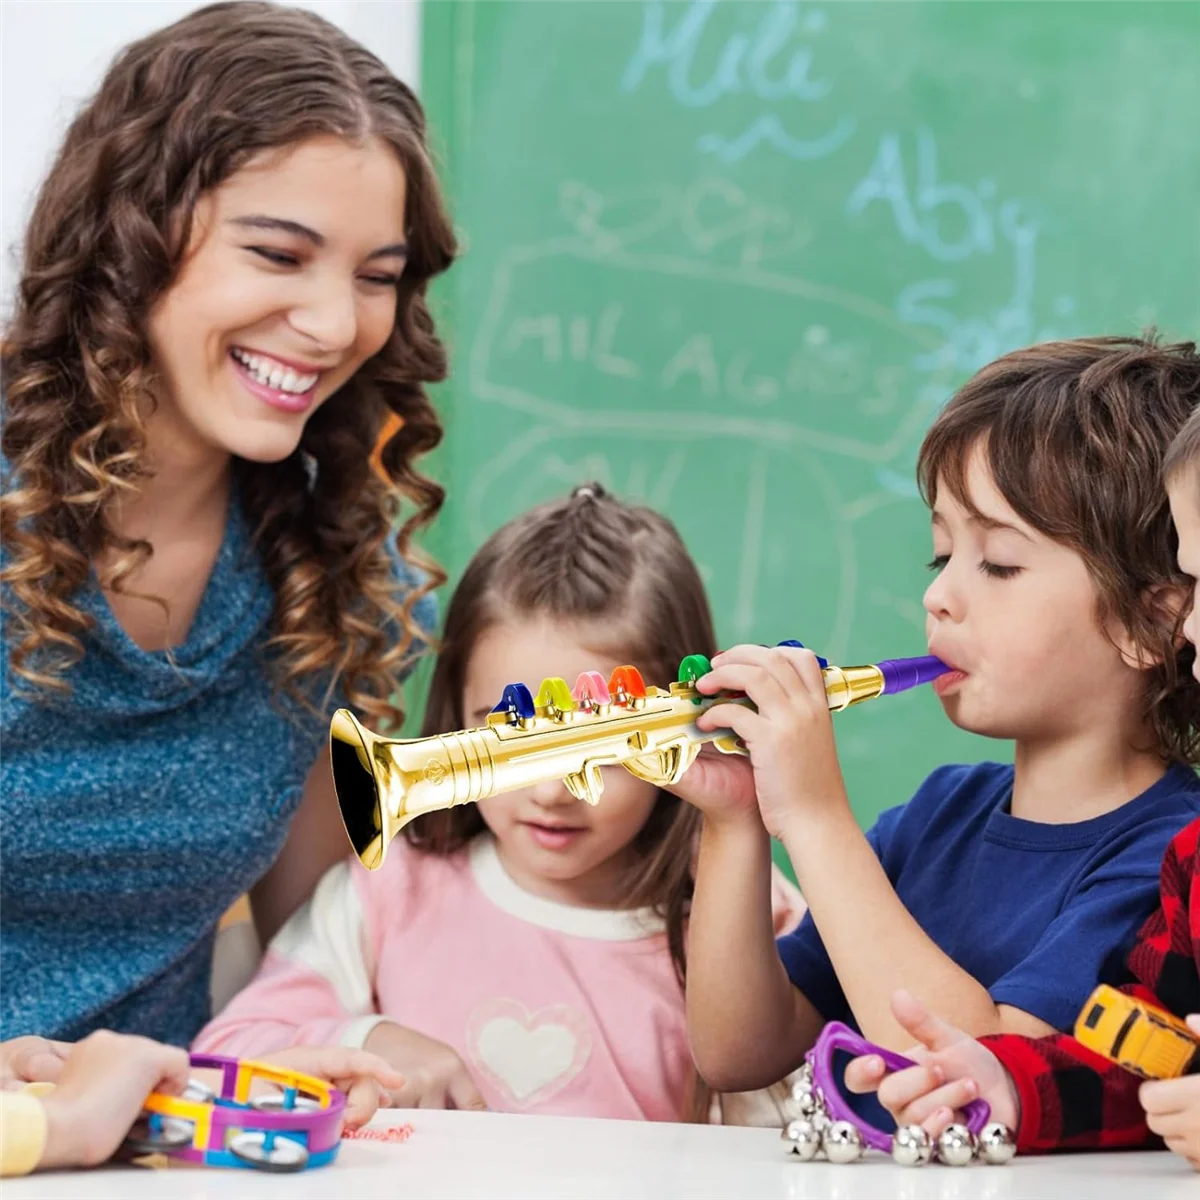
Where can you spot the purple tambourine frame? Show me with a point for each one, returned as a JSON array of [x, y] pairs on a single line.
[[836, 1036]]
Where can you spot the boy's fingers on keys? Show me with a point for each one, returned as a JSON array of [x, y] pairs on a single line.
[[950, 1095], [865, 1073]]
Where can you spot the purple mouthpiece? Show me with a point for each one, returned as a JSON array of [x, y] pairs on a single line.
[[900, 674]]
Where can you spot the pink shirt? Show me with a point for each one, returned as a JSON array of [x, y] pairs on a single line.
[[554, 1009]]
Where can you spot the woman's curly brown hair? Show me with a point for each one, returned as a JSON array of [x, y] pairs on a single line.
[[1075, 434], [178, 113]]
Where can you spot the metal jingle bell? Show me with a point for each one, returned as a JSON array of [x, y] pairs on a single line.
[[997, 1145], [956, 1146], [808, 1104], [802, 1140], [842, 1142], [912, 1146]]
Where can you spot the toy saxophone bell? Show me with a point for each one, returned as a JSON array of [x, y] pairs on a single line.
[[568, 734]]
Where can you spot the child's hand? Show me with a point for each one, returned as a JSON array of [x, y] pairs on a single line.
[[31, 1060], [952, 1069], [367, 1079], [100, 1090], [721, 786], [1173, 1110], [435, 1076], [790, 737]]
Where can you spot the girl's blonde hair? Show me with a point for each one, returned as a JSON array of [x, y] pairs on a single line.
[[178, 113], [589, 558]]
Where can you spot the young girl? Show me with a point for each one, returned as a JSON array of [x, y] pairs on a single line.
[[526, 952], [222, 302], [1000, 894]]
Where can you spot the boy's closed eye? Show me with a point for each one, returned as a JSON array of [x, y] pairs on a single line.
[[990, 569]]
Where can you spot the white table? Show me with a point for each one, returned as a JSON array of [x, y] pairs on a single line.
[[495, 1156]]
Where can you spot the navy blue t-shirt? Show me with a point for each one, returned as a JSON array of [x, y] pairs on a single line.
[[1038, 914]]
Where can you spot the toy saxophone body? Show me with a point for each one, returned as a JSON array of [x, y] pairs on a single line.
[[568, 734]]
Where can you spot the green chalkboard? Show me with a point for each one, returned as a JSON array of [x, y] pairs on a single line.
[[730, 258]]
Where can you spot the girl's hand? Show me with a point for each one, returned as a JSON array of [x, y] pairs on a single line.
[[790, 737], [31, 1060], [435, 1076], [1173, 1110], [99, 1092], [368, 1080], [952, 1069], [721, 786]]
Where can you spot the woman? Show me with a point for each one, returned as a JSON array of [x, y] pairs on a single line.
[[222, 302]]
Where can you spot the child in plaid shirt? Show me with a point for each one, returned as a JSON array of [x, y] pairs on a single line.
[[1052, 1091]]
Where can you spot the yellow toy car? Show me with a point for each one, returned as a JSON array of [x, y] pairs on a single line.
[[1138, 1036]]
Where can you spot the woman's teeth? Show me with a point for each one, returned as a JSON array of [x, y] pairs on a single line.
[[270, 373]]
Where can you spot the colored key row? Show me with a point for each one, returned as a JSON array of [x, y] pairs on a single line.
[[625, 687]]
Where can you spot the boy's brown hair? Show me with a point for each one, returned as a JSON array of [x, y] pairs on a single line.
[[1075, 434], [1183, 455], [591, 559]]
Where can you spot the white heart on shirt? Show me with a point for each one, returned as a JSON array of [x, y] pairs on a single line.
[[528, 1057]]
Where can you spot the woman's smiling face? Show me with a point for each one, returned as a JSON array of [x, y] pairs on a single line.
[[288, 286]]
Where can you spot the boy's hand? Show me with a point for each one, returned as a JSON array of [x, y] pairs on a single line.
[[435, 1076], [1173, 1110], [31, 1060], [367, 1080], [952, 1069], [790, 737], [100, 1090]]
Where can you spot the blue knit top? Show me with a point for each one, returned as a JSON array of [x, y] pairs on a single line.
[[135, 810]]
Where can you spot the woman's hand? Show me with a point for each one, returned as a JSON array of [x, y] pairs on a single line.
[[952, 1070], [369, 1081], [435, 1076], [31, 1060], [99, 1092]]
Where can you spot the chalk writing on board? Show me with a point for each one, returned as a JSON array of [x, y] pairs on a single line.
[[698, 344], [677, 390], [664, 468], [925, 212], [774, 63], [954, 223]]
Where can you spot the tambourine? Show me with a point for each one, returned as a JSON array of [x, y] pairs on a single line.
[[826, 1124], [295, 1127]]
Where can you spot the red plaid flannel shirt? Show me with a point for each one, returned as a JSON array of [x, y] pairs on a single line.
[[1072, 1099]]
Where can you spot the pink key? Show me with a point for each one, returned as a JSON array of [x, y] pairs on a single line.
[[590, 690]]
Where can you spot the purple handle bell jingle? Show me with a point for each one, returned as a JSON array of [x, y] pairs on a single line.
[[827, 1125]]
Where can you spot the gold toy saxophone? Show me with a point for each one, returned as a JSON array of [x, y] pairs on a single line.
[[568, 734]]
